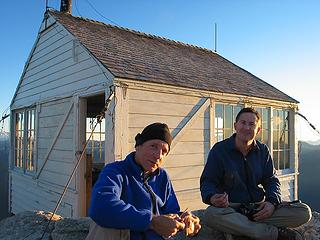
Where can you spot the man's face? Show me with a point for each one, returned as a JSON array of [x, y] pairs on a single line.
[[150, 155], [247, 127]]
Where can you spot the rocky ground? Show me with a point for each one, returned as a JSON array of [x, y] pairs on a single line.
[[31, 225]]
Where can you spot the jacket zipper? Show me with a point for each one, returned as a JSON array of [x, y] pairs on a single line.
[[247, 177], [152, 194]]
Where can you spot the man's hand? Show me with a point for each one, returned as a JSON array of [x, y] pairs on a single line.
[[220, 200], [192, 224], [167, 225], [266, 209]]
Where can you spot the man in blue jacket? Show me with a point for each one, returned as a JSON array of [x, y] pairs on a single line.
[[134, 199], [240, 184]]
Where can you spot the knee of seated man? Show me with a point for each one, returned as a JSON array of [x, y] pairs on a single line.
[[303, 214], [306, 213], [212, 214]]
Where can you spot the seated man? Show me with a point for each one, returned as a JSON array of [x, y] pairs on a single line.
[[239, 173], [134, 198]]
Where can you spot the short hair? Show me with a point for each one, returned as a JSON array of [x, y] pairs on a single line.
[[248, 110]]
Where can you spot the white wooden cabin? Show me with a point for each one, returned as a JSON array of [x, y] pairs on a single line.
[[197, 92]]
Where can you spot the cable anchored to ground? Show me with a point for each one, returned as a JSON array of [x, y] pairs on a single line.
[[310, 124]]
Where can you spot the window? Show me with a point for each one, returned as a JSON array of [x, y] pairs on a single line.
[[96, 145], [25, 139], [281, 146], [225, 116], [263, 136]]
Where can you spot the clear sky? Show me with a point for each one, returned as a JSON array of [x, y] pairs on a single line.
[[278, 41]]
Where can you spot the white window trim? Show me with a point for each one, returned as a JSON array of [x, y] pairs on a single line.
[[24, 169]]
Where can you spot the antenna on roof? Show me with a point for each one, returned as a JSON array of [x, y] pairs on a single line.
[[47, 5], [215, 37]]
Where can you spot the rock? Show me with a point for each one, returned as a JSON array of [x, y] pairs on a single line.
[[30, 226], [311, 230], [27, 225], [71, 229]]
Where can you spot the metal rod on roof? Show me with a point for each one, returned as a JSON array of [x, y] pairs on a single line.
[[215, 37]]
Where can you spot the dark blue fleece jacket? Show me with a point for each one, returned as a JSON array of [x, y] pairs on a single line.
[[245, 179], [121, 200]]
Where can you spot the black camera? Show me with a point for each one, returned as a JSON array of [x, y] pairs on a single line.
[[248, 209]]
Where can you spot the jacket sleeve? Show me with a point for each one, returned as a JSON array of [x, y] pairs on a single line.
[[108, 210], [209, 180], [271, 183]]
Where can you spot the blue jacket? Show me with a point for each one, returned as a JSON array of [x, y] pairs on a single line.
[[121, 200], [227, 170]]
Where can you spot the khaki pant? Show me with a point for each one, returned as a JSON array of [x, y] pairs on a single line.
[[228, 220], [100, 233]]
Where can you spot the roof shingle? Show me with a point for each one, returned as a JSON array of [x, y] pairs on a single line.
[[134, 55]]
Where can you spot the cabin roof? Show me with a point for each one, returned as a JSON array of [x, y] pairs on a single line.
[[134, 55]]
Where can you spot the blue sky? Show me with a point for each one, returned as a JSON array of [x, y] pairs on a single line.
[[278, 41]]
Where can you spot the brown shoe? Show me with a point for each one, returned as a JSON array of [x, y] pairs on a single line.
[[289, 234]]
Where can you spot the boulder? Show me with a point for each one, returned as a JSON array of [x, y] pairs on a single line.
[[31, 225]]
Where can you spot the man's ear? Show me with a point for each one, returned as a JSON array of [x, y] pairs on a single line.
[[258, 130]]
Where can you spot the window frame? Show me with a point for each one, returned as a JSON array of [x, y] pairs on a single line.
[[289, 148], [29, 130], [234, 112], [270, 132]]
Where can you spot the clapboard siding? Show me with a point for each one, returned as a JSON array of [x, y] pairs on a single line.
[[190, 199], [287, 187], [61, 160], [49, 132], [52, 70], [39, 198], [186, 159], [66, 156], [56, 71]]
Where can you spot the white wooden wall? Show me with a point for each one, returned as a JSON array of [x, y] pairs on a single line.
[[54, 161], [58, 66], [186, 159], [287, 187], [58, 69]]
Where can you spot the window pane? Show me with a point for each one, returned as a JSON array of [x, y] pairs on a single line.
[[287, 159], [281, 137], [219, 116], [286, 120], [275, 160], [275, 139], [96, 146], [228, 116], [19, 130], [219, 135], [276, 119], [30, 140], [236, 110], [227, 133]]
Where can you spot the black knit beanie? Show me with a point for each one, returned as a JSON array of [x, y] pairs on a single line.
[[154, 131]]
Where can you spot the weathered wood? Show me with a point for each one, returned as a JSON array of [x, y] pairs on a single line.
[[121, 122], [55, 139], [27, 194], [190, 199], [181, 173], [182, 160]]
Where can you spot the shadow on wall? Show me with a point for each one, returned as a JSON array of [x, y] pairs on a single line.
[[4, 164]]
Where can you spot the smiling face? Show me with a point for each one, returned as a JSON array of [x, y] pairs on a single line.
[[150, 155], [247, 127]]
